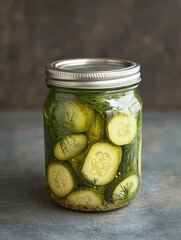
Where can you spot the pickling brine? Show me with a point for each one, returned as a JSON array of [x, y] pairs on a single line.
[[92, 146]]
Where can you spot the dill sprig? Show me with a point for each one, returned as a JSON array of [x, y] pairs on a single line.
[[88, 182], [124, 193], [64, 142], [63, 125], [97, 102]]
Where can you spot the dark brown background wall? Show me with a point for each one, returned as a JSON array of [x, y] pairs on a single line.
[[35, 32]]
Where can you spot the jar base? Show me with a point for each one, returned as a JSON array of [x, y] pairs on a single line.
[[102, 208]]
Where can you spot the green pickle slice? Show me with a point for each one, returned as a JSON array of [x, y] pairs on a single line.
[[61, 179], [122, 189], [130, 156], [76, 163], [87, 198], [70, 146], [102, 162], [122, 128], [139, 157], [96, 132], [74, 116]]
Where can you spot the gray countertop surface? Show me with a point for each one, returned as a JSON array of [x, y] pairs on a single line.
[[26, 212]]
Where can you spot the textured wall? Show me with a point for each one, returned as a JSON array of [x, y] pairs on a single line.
[[33, 33]]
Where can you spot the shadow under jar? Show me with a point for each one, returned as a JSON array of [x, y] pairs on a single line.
[[92, 131]]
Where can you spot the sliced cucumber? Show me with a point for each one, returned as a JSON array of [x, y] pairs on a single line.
[[121, 128], [61, 179], [74, 116], [101, 163], [85, 197], [130, 157], [76, 162], [130, 163], [139, 157], [96, 132], [70, 146], [122, 189]]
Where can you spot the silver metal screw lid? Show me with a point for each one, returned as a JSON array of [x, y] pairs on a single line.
[[92, 73]]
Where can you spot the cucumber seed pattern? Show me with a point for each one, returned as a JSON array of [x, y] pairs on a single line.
[[83, 200], [100, 164], [59, 178], [123, 129]]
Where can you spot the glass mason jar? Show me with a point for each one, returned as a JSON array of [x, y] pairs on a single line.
[[92, 129]]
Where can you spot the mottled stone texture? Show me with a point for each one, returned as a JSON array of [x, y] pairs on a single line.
[[33, 33]]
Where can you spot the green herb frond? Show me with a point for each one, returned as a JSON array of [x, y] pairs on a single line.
[[90, 183], [124, 192], [97, 102], [64, 124], [64, 142]]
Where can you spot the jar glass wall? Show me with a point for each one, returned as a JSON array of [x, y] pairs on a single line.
[[93, 147]]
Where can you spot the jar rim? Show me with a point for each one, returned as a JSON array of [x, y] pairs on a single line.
[[92, 73]]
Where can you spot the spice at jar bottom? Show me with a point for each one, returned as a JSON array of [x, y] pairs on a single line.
[[92, 131]]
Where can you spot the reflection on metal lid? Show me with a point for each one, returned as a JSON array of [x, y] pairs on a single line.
[[93, 73]]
